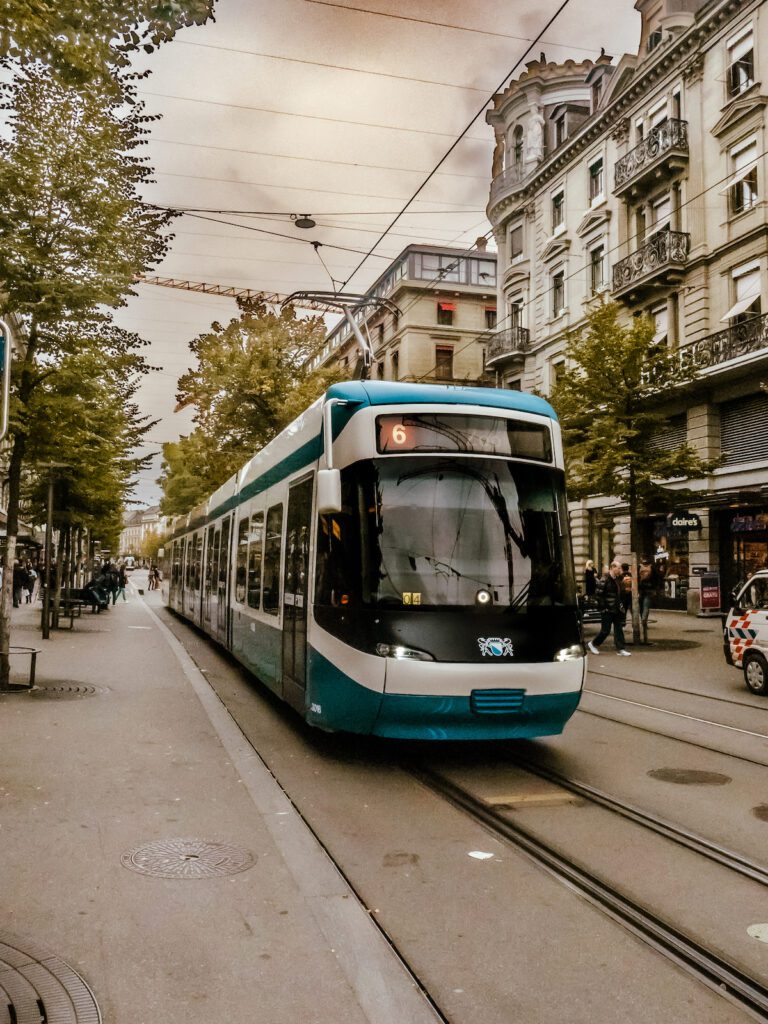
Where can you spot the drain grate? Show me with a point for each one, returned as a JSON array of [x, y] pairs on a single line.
[[63, 691], [188, 858], [37, 986]]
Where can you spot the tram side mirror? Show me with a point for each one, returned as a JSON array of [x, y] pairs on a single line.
[[328, 491]]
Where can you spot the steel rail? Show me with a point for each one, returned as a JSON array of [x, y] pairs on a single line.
[[683, 693], [676, 833], [712, 970]]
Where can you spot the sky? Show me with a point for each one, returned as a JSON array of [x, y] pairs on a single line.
[[338, 110]]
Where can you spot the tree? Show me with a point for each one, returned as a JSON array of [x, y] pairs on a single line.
[[252, 378], [609, 401], [73, 236], [83, 41]]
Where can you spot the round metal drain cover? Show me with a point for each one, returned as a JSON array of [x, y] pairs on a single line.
[[670, 645], [63, 691], [188, 858], [37, 986], [689, 777]]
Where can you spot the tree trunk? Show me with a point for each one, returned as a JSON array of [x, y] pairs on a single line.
[[12, 529], [58, 576]]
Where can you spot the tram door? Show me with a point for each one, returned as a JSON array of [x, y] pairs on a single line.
[[222, 616], [208, 579], [295, 598]]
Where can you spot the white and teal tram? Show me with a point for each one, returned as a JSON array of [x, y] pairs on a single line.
[[397, 562]]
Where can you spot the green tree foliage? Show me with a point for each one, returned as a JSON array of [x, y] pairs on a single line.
[[251, 380], [83, 41], [74, 235], [610, 401]]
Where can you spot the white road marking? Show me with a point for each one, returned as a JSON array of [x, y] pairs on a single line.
[[676, 714]]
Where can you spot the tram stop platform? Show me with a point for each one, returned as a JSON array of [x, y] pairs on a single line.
[[152, 868]]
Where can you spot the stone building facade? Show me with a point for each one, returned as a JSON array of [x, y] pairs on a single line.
[[446, 301], [643, 180]]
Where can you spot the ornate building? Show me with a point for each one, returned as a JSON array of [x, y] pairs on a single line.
[[644, 181]]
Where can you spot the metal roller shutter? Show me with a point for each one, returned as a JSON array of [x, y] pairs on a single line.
[[744, 429], [672, 435]]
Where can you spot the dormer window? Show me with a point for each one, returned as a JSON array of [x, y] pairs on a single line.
[[558, 211], [560, 130], [597, 92], [654, 40], [741, 61]]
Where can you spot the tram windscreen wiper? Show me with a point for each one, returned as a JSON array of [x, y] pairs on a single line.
[[521, 596]]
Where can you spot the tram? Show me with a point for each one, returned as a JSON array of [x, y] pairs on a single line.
[[396, 562]]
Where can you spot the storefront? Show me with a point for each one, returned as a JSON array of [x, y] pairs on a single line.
[[743, 534]]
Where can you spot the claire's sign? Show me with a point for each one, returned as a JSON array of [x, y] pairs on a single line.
[[683, 521]]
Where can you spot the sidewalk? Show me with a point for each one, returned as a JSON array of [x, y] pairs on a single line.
[[125, 744]]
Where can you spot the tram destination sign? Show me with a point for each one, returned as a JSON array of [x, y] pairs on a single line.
[[449, 432], [684, 521]]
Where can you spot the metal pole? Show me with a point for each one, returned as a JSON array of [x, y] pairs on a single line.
[[48, 559]]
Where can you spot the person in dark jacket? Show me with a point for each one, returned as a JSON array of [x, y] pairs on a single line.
[[648, 583], [20, 581], [609, 601], [590, 578]]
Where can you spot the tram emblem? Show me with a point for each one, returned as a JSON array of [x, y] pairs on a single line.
[[495, 646]]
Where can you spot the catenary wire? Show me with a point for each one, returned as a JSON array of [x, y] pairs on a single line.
[[456, 141], [444, 24]]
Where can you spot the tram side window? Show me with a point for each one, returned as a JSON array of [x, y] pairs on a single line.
[[198, 561], [176, 563], [209, 560], [242, 560], [272, 548], [255, 556], [188, 562]]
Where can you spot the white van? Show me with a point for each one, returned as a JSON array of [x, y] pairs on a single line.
[[745, 632]]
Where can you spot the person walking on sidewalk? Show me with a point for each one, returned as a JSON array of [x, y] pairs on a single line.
[[648, 582], [611, 605], [122, 583]]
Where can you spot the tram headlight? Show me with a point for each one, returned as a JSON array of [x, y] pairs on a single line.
[[572, 653], [402, 653]]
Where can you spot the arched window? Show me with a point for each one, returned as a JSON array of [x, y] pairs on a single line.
[[517, 146]]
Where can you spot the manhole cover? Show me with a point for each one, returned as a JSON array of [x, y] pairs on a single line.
[[37, 986], [689, 777], [188, 858], [761, 812], [670, 645], [62, 691]]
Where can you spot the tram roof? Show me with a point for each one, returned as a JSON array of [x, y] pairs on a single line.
[[382, 392]]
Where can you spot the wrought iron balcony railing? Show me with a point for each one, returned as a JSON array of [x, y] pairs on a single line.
[[506, 344], [667, 140], [664, 252], [723, 346]]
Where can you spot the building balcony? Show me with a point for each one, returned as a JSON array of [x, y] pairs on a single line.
[[662, 152], [510, 179], [660, 261], [725, 347], [507, 345]]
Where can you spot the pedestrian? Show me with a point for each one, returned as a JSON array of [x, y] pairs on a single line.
[[19, 581], [151, 584], [611, 605], [590, 578], [648, 582], [122, 583], [626, 589]]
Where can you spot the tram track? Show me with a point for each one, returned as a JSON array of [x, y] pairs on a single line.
[[706, 966], [682, 836], [684, 693]]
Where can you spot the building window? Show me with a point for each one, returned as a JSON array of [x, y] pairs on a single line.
[[742, 188], [657, 115], [741, 61], [660, 317], [396, 365], [517, 150], [654, 40], [514, 385], [556, 372], [597, 92], [444, 362], [490, 317], [639, 130], [596, 180], [558, 211], [661, 213], [380, 334], [558, 293], [445, 311], [516, 243], [380, 370], [597, 268], [516, 312], [560, 133], [431, 266], [746, 294]]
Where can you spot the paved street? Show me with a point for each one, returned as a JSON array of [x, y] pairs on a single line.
[[161, 738]]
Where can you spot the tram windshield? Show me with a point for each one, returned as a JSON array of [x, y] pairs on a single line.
[[437, 532]]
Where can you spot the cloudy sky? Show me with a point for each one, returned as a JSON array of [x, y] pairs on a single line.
[[338, 110]]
